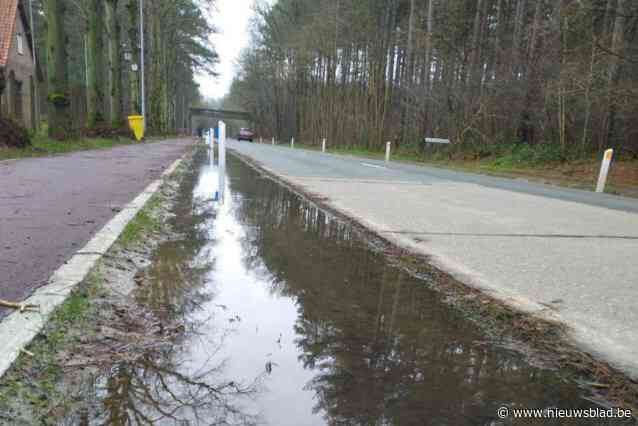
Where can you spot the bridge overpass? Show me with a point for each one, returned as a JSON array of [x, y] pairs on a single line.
[[208, 117]]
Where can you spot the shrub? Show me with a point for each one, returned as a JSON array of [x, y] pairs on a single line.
[[13, 135], [108, 132], [524, 154], [547, 153]]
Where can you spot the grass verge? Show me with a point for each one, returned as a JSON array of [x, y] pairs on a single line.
[[542, 163], [34, 376], [43, 146], [144, 223]]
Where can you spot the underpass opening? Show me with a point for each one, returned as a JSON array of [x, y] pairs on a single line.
[[208, 118]]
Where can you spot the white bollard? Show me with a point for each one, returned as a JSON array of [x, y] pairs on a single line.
[[260, 140], [222, 144], [387, 151], [273, 141], [323, 145], [222, 161], [211, 146], [292, 142], [604, 170]]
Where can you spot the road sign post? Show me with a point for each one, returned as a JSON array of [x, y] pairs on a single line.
[[433, 143]]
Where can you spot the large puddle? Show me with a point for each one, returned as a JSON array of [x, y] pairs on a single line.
[[303, 323]]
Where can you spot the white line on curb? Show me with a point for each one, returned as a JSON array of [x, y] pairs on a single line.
[[18, 329]]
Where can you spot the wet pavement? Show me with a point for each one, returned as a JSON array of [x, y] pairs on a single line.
[[307, 324], [51, 207]]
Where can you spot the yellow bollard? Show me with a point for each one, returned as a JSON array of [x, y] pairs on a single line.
[[136, 123]]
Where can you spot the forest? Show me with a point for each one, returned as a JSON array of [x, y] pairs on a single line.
[[88, 53], [559, 74]]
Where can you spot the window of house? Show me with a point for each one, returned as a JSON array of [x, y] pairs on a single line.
[[18, 101], [19, 40]]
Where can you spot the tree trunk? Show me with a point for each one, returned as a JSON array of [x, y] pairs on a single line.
[[617, 44], [92, 110], [134, 40], [609, 16], [588, 87], [410, 54], [407, 78], [427, 67], [427, 63], [518, 34], [527, 124], [115, 70], [155, 93], [476, 43], [531, 49], [58, 84], [562, 105], [498, 40]]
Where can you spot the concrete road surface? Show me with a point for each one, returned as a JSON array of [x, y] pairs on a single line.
[[51, 207], [564, 254]]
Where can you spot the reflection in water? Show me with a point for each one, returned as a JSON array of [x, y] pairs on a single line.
[[287, 300], [380, 345], [153, 391], [155, 381]]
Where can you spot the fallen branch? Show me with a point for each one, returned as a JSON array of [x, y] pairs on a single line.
[[22, 307], [31, 354]]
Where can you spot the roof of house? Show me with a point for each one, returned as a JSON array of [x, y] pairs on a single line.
[[8, 11]]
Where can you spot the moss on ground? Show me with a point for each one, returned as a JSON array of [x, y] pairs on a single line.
[[34, 376], [145, 222]]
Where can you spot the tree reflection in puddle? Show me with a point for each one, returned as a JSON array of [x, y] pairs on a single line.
[[332, 331], [382, 347], [145, 375], [153, 391]]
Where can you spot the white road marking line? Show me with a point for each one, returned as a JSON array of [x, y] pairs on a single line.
[[373, 165]]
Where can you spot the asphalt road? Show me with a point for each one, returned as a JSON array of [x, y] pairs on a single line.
[[51, 207], [560, 253]]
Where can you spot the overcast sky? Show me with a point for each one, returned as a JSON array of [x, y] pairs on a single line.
[[231, 19]]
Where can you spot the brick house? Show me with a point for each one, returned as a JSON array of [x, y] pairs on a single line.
[[17, 68]]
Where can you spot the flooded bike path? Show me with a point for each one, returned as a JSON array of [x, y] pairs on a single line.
[[295, 303]]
